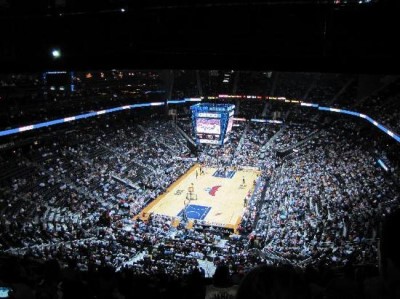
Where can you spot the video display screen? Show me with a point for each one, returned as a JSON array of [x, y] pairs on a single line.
[[208, 125]]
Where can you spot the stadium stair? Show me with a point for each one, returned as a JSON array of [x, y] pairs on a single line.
[[235, 82], [198, 81], [237, 110], [388, 82], [340, 92], [312, 85], [125, 181], [180, 131], [239, 147], [312, 135], [265, 109], [272, 139]]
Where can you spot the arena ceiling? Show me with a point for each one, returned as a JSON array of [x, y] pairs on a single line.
[[259, 35]]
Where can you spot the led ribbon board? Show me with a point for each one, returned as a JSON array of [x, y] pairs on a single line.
[[225, 114]]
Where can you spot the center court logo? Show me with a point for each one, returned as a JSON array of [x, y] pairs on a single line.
[[212, 190]]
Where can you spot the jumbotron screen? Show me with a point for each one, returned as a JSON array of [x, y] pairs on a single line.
[[208, 126]]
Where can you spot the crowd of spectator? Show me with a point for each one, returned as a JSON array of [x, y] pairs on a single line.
[[79, 194], [73, 197], [384, 106], [30, 98], [327, 202]]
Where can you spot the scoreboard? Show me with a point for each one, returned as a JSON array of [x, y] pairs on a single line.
[[212, 122]]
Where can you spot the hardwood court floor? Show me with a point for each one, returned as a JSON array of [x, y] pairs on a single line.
[[220, 200]]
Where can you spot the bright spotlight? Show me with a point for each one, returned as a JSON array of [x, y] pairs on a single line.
[[56, 53], [122, 9]]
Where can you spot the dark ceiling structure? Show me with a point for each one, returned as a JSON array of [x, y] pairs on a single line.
[[327, 36]]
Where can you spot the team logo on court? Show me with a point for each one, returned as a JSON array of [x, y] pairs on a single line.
[[212, 190]]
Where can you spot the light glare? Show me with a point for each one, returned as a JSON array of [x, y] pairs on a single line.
[[56, 53]]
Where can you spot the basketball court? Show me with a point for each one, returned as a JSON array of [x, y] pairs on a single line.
[[216, 197]]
